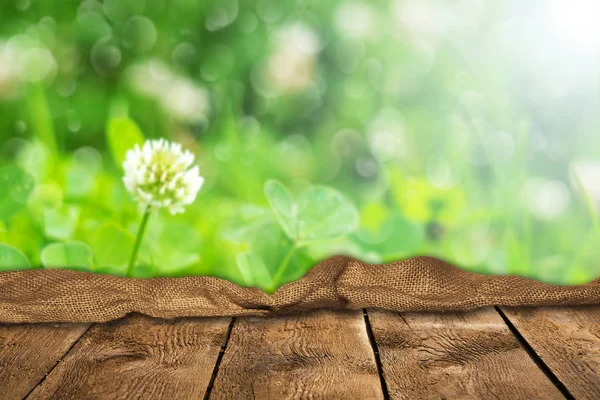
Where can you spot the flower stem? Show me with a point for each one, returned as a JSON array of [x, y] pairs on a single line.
[[283, 266], [138, 241]]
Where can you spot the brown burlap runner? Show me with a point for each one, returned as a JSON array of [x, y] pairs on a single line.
[[416, 284]]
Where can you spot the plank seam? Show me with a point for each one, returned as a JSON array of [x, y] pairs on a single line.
[[534, 356], [373, 343], [59, 361], [219, 359]]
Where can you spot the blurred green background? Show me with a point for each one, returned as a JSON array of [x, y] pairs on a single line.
[[466, 130]]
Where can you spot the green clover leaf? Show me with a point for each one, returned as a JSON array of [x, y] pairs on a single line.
[[69, 255], [12, 259], [15, 187], [319, 214]]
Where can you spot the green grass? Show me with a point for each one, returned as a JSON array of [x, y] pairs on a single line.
[[381, 145]]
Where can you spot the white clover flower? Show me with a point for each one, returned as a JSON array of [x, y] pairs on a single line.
[[159, 175]]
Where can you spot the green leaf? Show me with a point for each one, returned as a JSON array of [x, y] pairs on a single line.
[[246, 224], [321, 213], [12, 259], [112, 245], [271, 260], [60, 223], [15, 187], [283, 206], [122, 135], [254, 271], [67, 255], [172, 245], [45, 196], [80, 180], [111, 270]]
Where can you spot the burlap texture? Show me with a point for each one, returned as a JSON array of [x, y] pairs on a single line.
[[416, 284]]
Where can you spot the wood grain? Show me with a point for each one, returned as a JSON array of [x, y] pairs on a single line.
[[567, 340], [455, 355], [139, 358], [320, 355], [29, 352]]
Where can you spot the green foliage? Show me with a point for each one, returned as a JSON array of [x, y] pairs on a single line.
[[60, 223], [396, 238], [72, 255], [254, 271], [319, 214], [111, 270], [316, 134], [15, 187], [112, 246], [284, 207], [12, 259], [171, 245], [122, 135], [39, 114], [271, 259], [277, 255]]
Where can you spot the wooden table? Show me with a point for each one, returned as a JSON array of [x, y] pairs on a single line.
[[543, 353]]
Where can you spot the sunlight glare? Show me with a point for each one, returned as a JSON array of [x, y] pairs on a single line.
[[575, 22]]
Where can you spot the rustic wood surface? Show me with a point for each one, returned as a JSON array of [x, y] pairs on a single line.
[[456, 356], [28, 352], [568, 340], [542, 353], [138, 358], [319, 355]]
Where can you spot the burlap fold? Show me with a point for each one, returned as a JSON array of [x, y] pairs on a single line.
[[416, 284]]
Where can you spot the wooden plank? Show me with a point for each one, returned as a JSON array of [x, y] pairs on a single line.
[[455, 355], [322, 354], [567, 339], [139, 357], [29, 352]]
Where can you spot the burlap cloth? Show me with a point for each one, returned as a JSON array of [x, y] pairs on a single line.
[[416, 284]]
